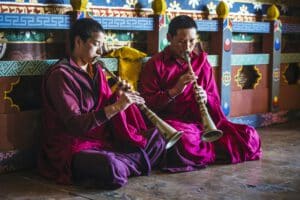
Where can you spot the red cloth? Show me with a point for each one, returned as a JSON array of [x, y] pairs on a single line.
[[239, 143], [74, 120]]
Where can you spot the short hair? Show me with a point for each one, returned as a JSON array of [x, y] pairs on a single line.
[[181, 22], [83, 28]]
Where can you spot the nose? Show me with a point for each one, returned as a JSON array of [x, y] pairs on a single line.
[[99, 51], [187, 46]]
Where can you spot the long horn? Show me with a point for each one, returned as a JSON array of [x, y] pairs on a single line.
[[170, 134], [211, 133]]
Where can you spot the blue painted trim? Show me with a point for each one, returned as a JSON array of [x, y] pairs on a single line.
[[60, 21], [207, 25], [34, 21], [225, 63], [275, 68], [52, 21], [266, 119], [125, 23], [251, 27]]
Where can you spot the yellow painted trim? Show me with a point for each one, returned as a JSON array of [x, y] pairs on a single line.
[[6, 92], [255, 83], [259, 76], [286, 66], [237, 76]]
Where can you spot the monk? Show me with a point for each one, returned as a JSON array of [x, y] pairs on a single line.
[[91, 136], [166, 83]]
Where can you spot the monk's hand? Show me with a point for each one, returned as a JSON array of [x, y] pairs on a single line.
[[128, 98], [200, 94], [182, 82], [124, 85]]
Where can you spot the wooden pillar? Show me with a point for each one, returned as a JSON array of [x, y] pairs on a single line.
[[225, 32], [272, 45], [222, 45], [156, 39]]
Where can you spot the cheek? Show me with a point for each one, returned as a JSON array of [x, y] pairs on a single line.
[[92, 49]]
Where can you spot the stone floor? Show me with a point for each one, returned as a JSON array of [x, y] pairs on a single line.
[[276, 176]]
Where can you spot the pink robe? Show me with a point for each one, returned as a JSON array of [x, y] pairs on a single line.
[[239, 143], [74, 120]]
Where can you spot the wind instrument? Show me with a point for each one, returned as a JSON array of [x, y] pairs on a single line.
[[170, 134], [211, 133]]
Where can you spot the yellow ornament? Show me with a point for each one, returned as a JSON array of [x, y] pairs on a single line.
[[79, 5], [222, 10], [159, 7], [273, 12]]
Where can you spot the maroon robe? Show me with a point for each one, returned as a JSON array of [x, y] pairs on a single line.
[[74, 120], [239, 143]]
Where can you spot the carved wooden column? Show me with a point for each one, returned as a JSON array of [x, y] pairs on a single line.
[[222, 45], [272, 45], [156, 39]]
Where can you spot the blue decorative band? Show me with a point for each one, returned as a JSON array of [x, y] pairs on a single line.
[[34, 21], [46, 21], [265, 119], [207, 25], [251, 27], [123, 23]]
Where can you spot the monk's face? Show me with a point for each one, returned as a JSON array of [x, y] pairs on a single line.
[[90, 48], [184, 40]]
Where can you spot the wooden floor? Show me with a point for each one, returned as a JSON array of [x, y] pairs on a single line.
[[276, 176]]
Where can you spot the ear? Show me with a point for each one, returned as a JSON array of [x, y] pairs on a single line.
[[169, 37], [77, 41]]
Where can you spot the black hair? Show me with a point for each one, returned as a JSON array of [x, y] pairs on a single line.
[[181, 22], [83, 28]]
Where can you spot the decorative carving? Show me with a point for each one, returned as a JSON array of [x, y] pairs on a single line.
[[273, 12], [291, 73], [8, 98], [222, 10], [79, 5], [24, 94], [159, 7], [248, 77]]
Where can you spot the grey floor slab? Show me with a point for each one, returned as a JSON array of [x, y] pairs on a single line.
[[276, 176]]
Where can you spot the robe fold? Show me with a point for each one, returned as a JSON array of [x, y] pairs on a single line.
[[74, 120], [239, 142]]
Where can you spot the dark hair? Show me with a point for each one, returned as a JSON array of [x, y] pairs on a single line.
[[84, 28], [181, 22]]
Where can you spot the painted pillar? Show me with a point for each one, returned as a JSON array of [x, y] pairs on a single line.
[[156, 39], [272, 45], [224, 49]]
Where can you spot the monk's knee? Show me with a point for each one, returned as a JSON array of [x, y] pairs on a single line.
[[118, 173]]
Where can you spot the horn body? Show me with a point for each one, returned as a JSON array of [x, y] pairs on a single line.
[[170, 134], [211, 133]]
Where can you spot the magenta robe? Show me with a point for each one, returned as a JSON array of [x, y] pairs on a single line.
[[74, 119], [239, 143]]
